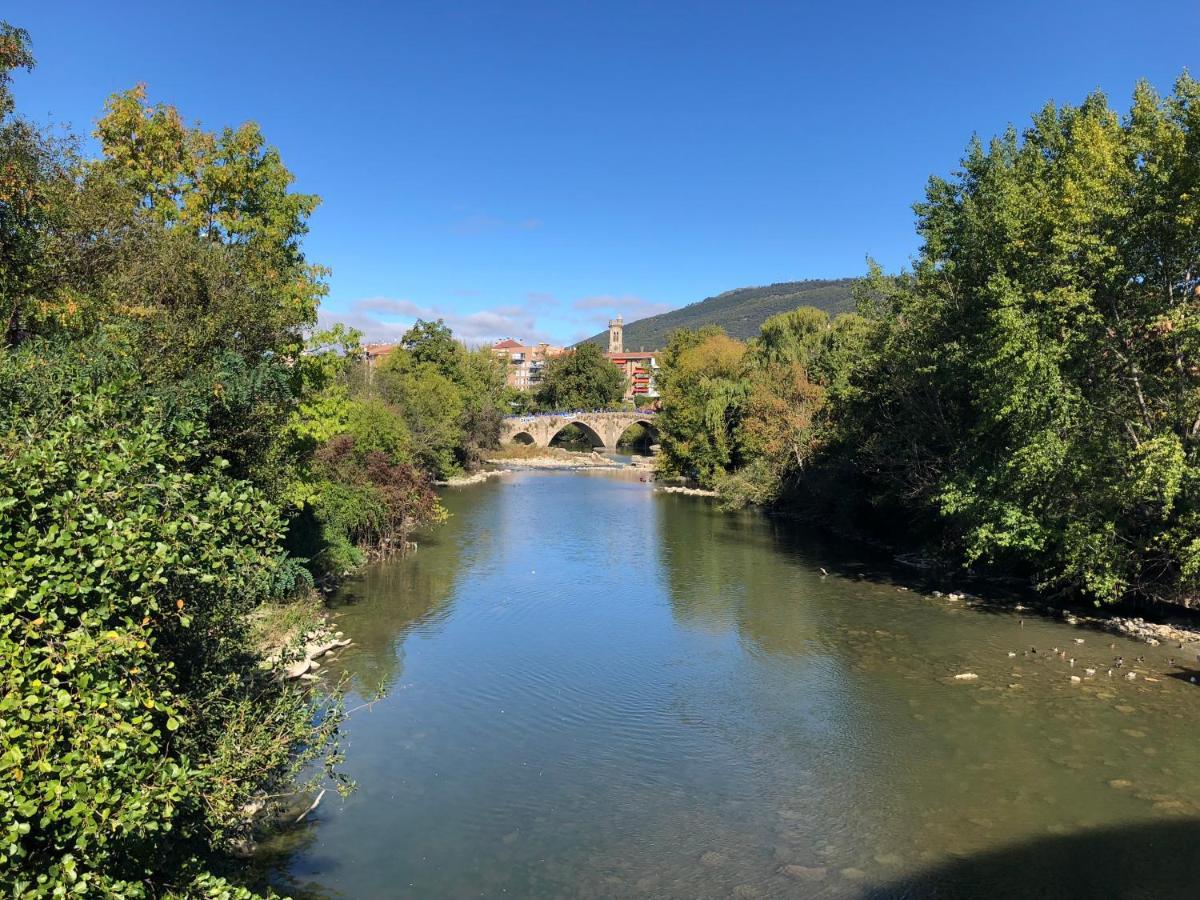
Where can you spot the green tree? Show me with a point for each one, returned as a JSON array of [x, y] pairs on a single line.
[[15, 53], [363, 501], [360, 489], [229, 188], [799, 336], [154, 304], [704, 389], [432, 407], [798, 372], [32, 170], [484, 405], [1033, 380], [189, 236], [581, 379], [433, 343]]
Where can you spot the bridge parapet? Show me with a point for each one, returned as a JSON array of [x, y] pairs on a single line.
[[604, 427]]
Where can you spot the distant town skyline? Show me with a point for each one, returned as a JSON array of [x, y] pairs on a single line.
[[531, 169]]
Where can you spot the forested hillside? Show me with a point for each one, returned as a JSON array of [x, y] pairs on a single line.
[[739, 312]]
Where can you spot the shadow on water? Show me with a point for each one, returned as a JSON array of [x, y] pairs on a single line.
[[267, 871], [1191, 676], [691, 524], [1146, 861], [1151, 860], [724, 567]]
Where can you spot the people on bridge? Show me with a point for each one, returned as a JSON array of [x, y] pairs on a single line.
[[530, 417]]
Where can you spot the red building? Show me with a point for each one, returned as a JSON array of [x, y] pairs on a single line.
[[639, 367]]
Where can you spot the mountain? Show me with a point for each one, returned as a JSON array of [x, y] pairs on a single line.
[[739, 312]]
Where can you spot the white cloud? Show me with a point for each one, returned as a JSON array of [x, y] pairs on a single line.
[[385, 319]]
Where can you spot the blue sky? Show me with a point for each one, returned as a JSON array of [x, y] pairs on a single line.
[[529, 169]]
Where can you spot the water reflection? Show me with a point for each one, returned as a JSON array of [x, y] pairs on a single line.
[[596, 690], [725, 571], [388, 600]]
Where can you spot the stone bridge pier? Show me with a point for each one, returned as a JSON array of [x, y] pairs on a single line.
[[603, 428]]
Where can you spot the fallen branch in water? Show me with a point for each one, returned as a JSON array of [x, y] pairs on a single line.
[[300, 817]]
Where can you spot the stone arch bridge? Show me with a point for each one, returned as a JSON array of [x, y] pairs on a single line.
[[603, 428]]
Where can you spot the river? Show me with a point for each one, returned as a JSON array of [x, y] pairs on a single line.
[[591, 689]]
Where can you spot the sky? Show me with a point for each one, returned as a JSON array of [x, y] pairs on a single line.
[[530, 169]]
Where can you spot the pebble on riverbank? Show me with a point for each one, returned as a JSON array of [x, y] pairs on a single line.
[[295, 655], [1153, 633]]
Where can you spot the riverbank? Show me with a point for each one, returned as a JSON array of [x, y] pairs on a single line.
[[568, 461], [522, 457], [1172, 627], [294, 639], [531, 456]]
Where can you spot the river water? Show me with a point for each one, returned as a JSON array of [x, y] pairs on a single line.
[[591, 689]]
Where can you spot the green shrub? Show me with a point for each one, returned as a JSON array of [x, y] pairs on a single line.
[[134, 722]]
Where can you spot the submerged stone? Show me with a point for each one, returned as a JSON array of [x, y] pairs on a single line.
[[804, 873]]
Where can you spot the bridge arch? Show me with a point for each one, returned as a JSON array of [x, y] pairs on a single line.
[[646, 423], [589, 432], [523, 437]]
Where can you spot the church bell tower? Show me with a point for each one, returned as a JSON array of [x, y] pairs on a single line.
[[616, 337]]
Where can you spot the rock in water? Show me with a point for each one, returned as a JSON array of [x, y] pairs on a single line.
[[296, 669], [804, 873]]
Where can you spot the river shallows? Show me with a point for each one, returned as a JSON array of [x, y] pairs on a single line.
[[593, 690]]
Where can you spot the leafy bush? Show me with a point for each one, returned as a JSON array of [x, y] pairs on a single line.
[[134, 725], [368, 500]]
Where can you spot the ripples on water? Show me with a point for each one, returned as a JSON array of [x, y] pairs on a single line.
[[594, 690]]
